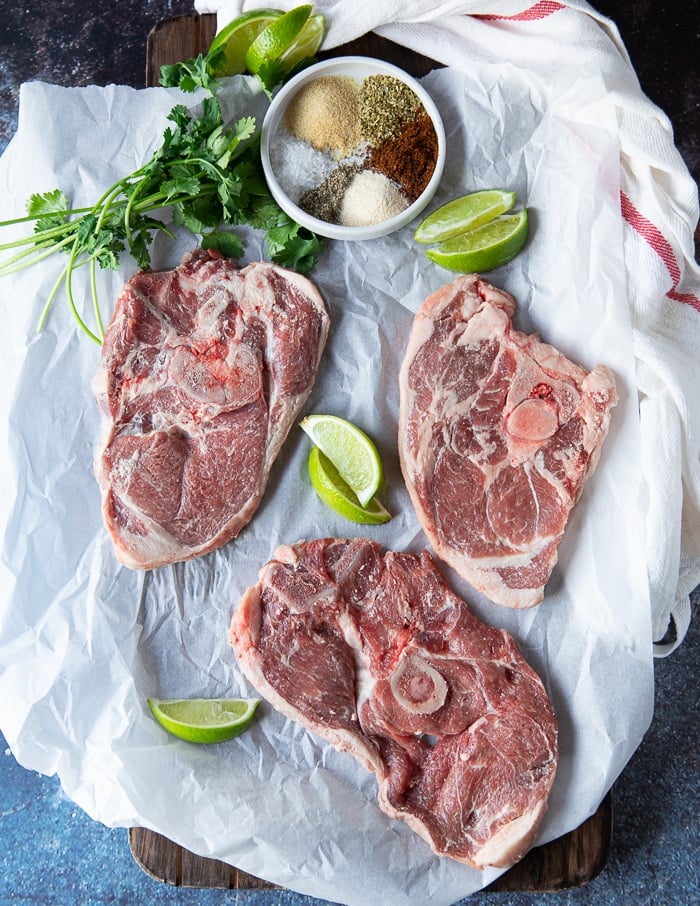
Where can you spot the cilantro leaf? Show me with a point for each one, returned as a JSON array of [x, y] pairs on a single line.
[[47, 203], [271, 74], [180, 185], [198, 214], [189, 75], [49, 208], [223, 241], [293, 246]]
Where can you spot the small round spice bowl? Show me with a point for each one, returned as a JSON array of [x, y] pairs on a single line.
[[353, 148]]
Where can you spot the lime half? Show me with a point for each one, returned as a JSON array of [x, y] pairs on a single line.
[[277, 38], [464, 213], [488, 246], [350, 450], [339, 496], [235, 38], [204, 720]]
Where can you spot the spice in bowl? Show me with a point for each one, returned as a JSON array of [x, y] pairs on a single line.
[[354, 150], [325, 113]]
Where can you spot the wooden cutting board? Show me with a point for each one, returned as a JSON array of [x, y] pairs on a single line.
[[571, 860]]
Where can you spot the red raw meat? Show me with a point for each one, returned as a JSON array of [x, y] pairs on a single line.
[[204, 369], [374, 653], [498, 433]]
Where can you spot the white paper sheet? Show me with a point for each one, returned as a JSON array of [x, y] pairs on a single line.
[[84, 642]]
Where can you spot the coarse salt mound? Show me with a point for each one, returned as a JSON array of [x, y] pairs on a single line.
[[371, 198], [326, 114], [299, 168]]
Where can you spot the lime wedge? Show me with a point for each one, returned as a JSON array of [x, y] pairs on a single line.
[[464, 213], [235, 38], [306, 44], [337, 495], [350, 450], [277, 38], [204, 720], [488, 246]]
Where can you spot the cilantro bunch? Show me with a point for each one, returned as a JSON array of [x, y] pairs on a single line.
[[207, 173]]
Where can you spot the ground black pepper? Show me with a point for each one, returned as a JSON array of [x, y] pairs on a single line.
[[408, 159], [324, 201]]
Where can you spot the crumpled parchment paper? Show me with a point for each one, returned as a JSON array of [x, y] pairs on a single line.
[[84, 642]]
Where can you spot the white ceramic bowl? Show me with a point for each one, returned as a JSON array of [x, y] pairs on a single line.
[[358, 68]]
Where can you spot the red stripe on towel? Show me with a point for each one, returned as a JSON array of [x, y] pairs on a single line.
[[539, 11], [655, 238]]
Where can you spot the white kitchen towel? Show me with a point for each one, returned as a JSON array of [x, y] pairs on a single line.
[[659, 205]]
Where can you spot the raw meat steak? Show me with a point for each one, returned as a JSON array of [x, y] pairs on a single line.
[[374, 653], [204, 369], [498, 433]]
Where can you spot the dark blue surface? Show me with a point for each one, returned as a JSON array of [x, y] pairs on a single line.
[[50, 851]]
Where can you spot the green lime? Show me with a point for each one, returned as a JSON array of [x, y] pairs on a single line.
[[276, 38], [350, 450], [236, 37], [488, 246], [204, 720], [464, 213], [337, 495], [307, 43]]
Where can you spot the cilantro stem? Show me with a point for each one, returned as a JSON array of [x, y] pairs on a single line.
[[68, 281], [106, 203], [29, 218], [95, 299], [49, 301], [129, 210], [34, 238], [160, 199], [17, 262], [41, 323]]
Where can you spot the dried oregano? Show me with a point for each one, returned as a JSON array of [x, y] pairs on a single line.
[[386, 103]]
